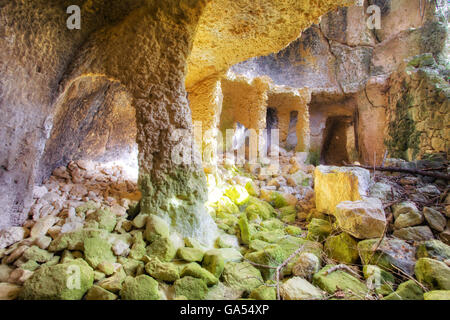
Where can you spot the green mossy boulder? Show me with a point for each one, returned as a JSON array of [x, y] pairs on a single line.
[[98, 293], [376, 278], [214, 263], [293, 230], [257, 245], [272, 255], [30, 265], [269, 236], [191, 288], [319, 230], [264, 293], [289, 219], [389, 253], [340, 280], [114, 283], [241, 276], [132, 267], [259, 208], [162, 248], [433, 273], [272, 224], [155, 228], [196, 271], [408, 290], [245, 229], [190, 254], [287, 211], [228, 254], [433, 249], [104, 217], [277, 200], [138, 250], [142, 287], [225, 207], [164, 271], [238, 194], [37, 254], [67, 281], [437, 295], [342, 248], [97, 250], [75, 240]]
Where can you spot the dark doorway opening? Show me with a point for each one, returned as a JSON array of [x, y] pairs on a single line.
[[291, 141], [272, 124], [334, 149]]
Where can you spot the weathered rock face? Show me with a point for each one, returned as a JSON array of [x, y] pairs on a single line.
[[342, 59], [138, 52]]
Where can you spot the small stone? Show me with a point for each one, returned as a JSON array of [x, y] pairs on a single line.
[[43, 242], [106, 267], [97, 250], [241, 276], [264, 293], [142, 287], [421, 233], [318, 230], [36, 254], [190, 254], [378, 279], [298, 288], [5, 271], [191, 288], [19, 276], [408, 290], [11, 235], [363, 219], [434, 249], [9, 291], [342, 248], [162, 248], [156, 228], [196, 271], [429, 189], [435, 219], [340, 280], [164, 271], [121, 248], [41, 227], [114, 283], [214, 263], [306, 266], [406, 214], [437, 295], [433, 273], [238, 194], [98, 293]]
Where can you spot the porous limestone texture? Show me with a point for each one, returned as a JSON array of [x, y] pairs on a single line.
[[336, 184]]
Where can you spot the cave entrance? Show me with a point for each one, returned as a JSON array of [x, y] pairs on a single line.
[[291, 140], [271, 124], [335, 146]]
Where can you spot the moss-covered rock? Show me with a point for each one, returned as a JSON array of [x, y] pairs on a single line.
[[138, 250], [98, 293], [132, 267], [214, 263], [318, 230], [190, 254], [257, 245], [225, 206], [376, 278], [293, 230], [408, 290], [241, 276], [104, 217], [191, 288], [288, 210], [97, 250], [340, 280], [272, 255], [162, 248], [196, 271], [67, 281], [114, 283], [437, 295], [277, 200], [259, 208], [306, 265], [268, 236], [342, 248], [238, 194], [155, 228], [390, 252], [30, 265], [75, 240], [142, 287], [36, 254], [297, 288], [433, 273], [164, 271], [245, 229], [272, 224], [228, 254], [264, 293], [433, 249]]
